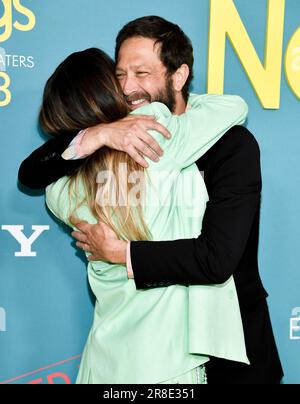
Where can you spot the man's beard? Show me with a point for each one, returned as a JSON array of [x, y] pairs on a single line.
[[165, 96]]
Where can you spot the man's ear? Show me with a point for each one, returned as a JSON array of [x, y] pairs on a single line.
[[180, 77]]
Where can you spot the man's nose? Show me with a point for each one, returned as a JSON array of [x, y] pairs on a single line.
[[129, 85]]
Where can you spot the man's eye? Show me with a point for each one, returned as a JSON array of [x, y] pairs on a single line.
[[142, 73]]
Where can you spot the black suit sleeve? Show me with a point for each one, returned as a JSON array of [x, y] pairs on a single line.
[[234, 187], [45, 165]]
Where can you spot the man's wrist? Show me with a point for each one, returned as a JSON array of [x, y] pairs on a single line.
[[118, 250], [87, 142], [92, 140], [102, 136]]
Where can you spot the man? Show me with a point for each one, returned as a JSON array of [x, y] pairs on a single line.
[[155, 63]]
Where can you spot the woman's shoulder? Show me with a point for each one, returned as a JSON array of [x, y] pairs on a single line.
[[157, 109], [61, 198], [57, 188]]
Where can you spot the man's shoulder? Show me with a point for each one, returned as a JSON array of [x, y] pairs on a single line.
[[239, 136], [238, 139], [238, 145]]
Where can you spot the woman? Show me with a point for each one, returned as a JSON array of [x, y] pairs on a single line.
[[150, 336]]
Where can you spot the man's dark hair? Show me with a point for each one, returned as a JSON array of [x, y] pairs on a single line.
[[176, 47]]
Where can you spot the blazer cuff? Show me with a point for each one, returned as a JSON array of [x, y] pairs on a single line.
[[73, 152]]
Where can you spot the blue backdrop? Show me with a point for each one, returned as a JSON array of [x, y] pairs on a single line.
[[45, 305]]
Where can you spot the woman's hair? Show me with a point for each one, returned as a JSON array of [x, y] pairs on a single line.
[[81, 93]]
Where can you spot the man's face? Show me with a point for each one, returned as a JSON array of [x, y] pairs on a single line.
[[142, 75]]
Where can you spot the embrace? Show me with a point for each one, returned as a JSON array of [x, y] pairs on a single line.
[[172, 256]]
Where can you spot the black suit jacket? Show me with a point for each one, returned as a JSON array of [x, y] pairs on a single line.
[[227, 246]]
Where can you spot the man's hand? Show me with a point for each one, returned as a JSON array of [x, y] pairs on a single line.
[[129, 135], [100, 241]]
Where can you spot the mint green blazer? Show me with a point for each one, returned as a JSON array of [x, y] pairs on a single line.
[[148, 336]]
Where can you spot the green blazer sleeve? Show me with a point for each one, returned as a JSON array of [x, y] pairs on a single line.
[[206, 120]]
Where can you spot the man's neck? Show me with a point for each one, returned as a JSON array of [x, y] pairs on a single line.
[[181, 105]]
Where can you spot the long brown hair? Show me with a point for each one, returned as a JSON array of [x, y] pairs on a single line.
[[82, 93]]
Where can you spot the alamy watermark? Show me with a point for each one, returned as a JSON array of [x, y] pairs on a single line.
[[163, 189]]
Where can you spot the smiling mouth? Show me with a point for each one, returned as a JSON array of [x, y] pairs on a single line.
[[138, 102], [135, 102]]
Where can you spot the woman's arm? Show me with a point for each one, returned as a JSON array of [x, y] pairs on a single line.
[[207, 119]]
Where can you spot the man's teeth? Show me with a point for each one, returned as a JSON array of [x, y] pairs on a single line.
[[138, 102]]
